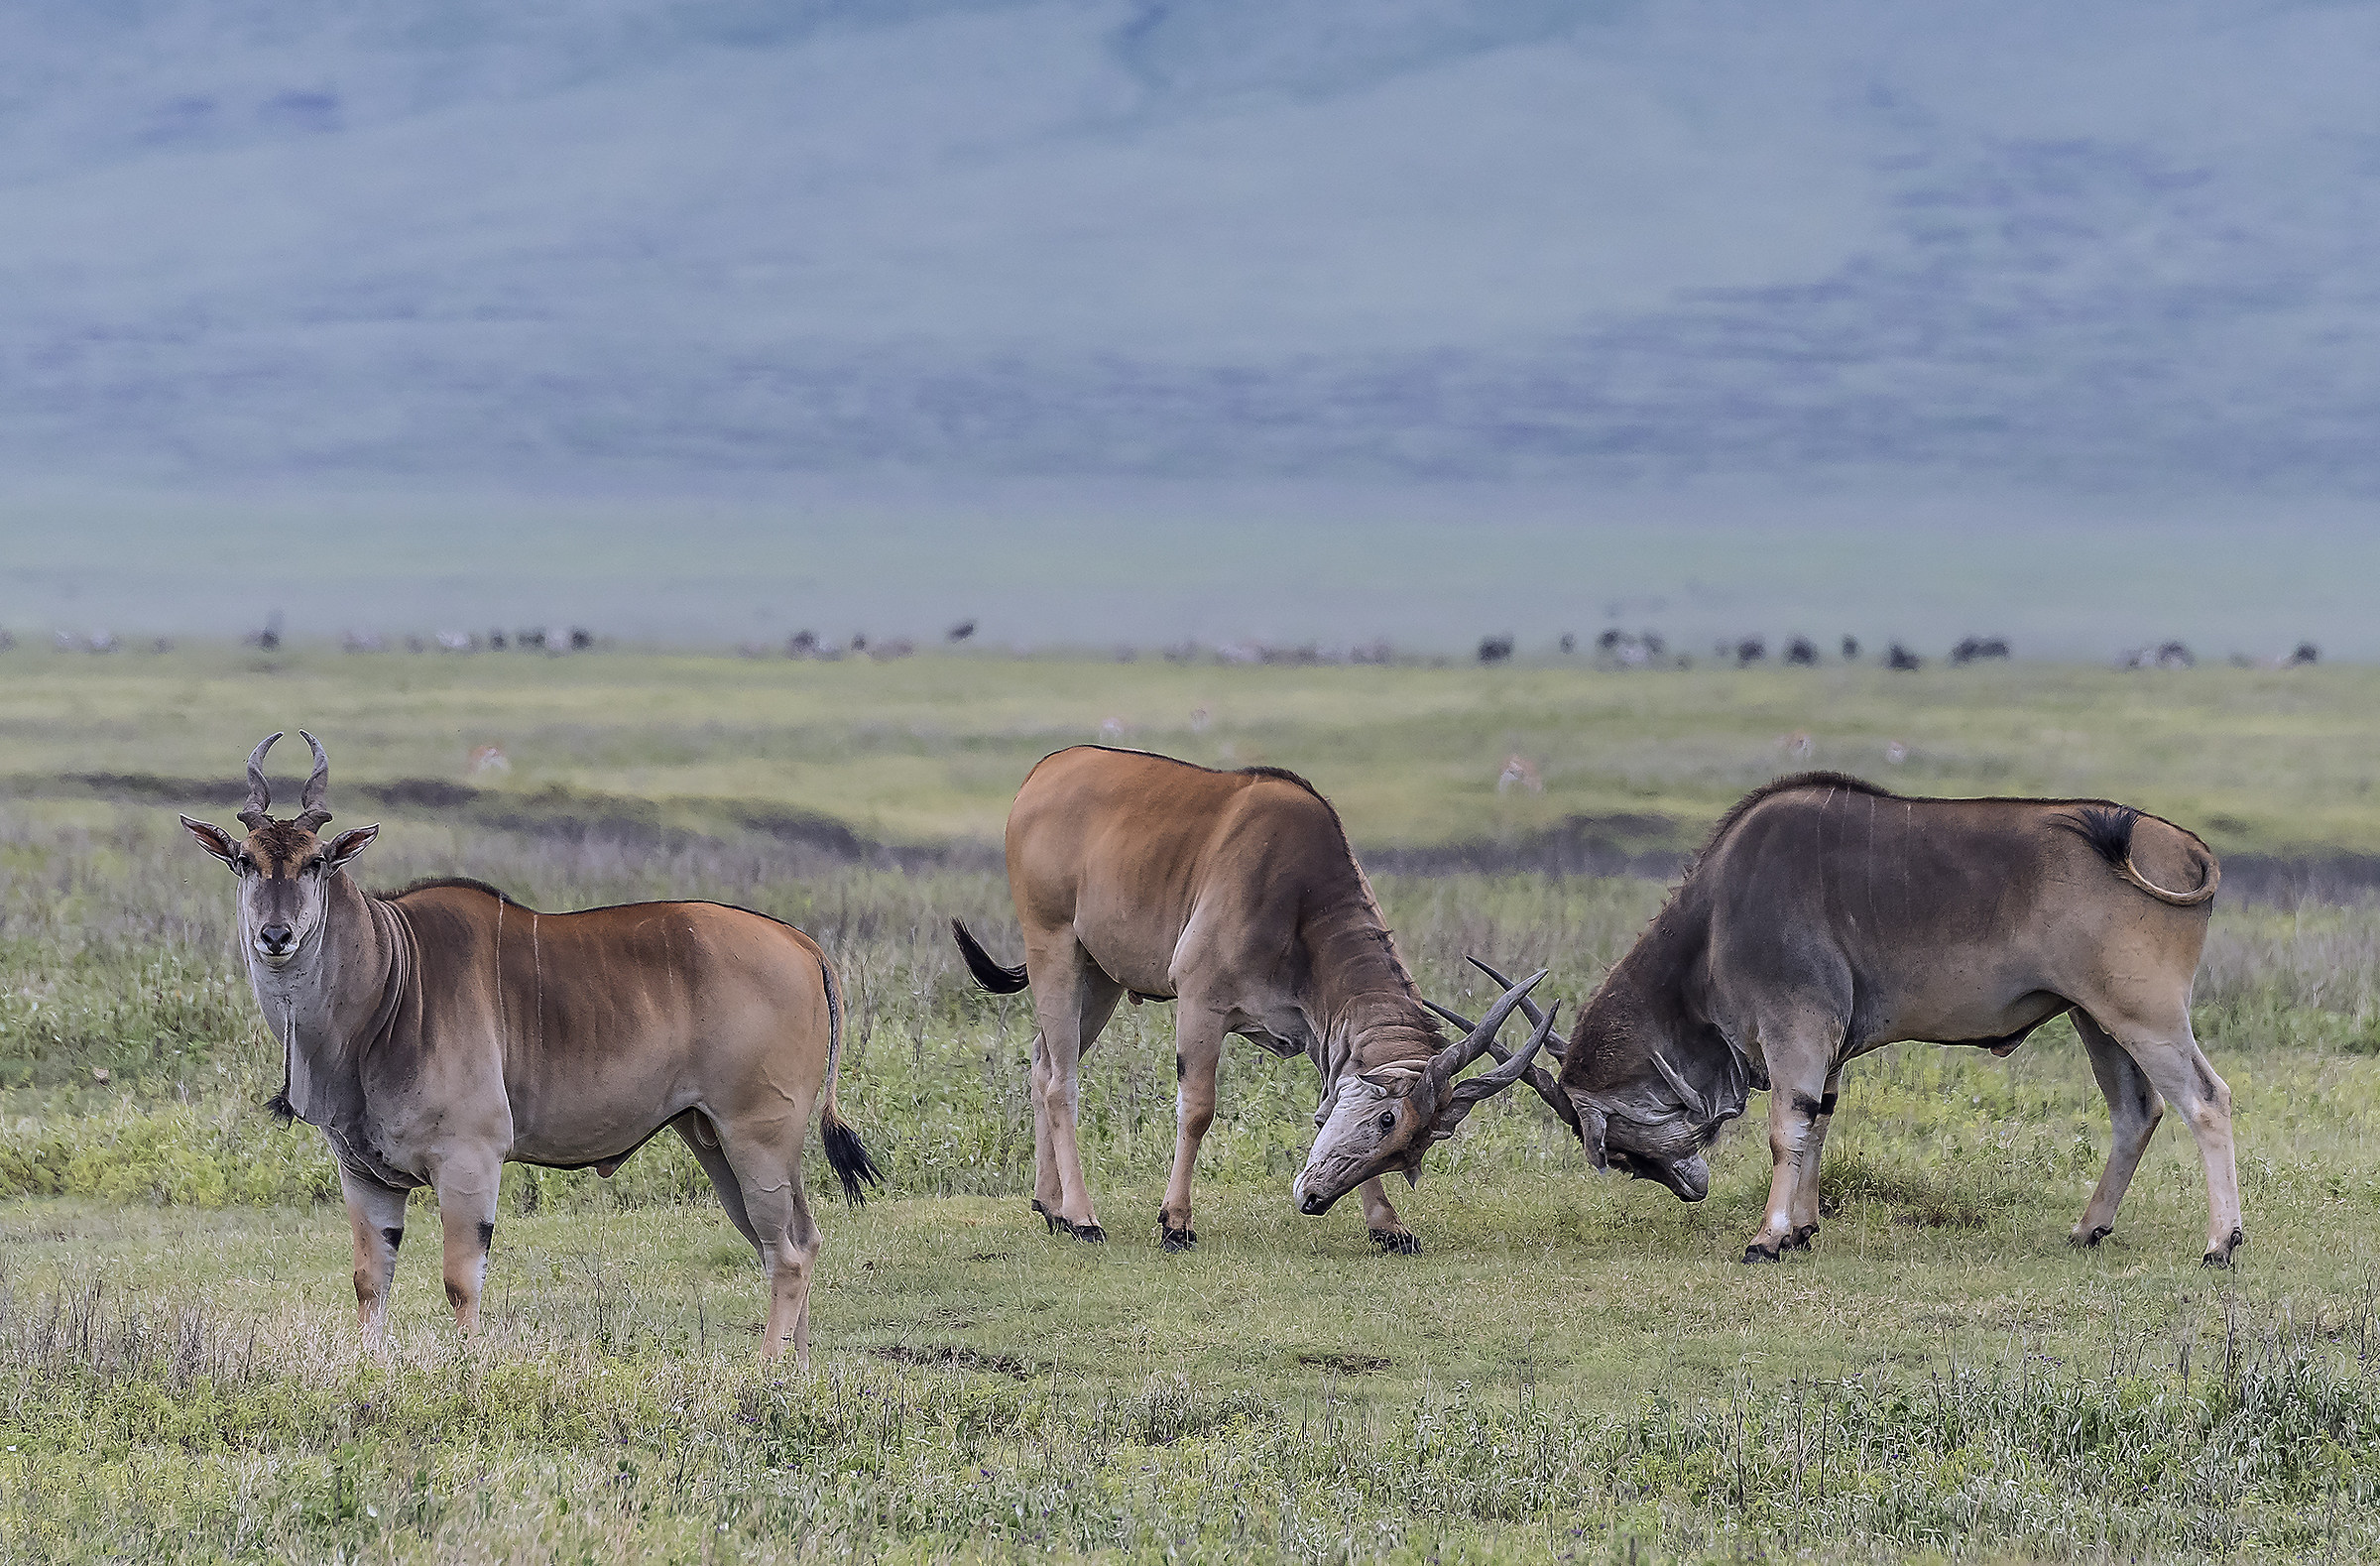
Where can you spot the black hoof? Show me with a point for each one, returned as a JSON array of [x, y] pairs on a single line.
[[1090, 1232], [1800, 1239], [1176, 1241], [2222, 1258], [2084, 1242], [1395, 1242], [1753, 1254]]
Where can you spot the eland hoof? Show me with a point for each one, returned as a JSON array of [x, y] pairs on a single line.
[[1800, 1239], [2086, 1239], [1395, 1242], [1754, 1254], [1087, 1232], [1177, 1241], [2222, 1257]]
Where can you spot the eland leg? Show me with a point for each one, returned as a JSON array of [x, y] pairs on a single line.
[[1813, 1157], [2134, 1108], [1197, 1050], [1072, 1001], [764, 1161], [702, 1139], [1388, 1232], [467, 1190], [376, 1213], [2169, 1055], [1046, 1195], [1799, 1051]]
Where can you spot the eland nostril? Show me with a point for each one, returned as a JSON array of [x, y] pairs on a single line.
[[275, 937]]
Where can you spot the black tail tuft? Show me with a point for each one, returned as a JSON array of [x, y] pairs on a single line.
[[850, 1159], [991, 975], [2107, 828], [280, 1108]]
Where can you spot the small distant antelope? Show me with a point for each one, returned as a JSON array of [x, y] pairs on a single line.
[[441, 1032], [1519, 772]]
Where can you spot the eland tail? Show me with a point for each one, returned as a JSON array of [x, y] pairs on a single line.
[[845, 1153], [991, 975], [2109, 830]]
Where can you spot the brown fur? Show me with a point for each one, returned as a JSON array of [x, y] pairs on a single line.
[[281, 847], [1235, 892], [436, 1033]]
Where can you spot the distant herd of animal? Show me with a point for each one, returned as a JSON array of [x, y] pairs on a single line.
[[435, 1033]]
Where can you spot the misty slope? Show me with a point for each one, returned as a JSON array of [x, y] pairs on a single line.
[[2126, 247]]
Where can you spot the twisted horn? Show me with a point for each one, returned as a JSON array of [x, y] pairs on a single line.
[[1547, 1089], [1454, 1058], [1469, 1093], [312, 814], [1489, 1083], [1553, 1050], [259, 793]]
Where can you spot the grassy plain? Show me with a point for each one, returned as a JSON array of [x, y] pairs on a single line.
[[931, 748], [1575, 1368]]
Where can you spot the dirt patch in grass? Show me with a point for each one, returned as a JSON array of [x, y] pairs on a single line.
[[1345, 1364], [951, 1354]]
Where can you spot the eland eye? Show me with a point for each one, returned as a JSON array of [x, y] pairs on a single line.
[[1387, 1119]]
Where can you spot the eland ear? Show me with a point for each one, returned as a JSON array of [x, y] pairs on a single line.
[[348, 844], [214, 840]]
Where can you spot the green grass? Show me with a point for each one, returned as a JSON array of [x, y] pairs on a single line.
[[1575, 1368], [1574, 1365], [931, 748]]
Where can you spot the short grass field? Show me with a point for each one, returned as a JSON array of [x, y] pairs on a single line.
[[931, 748], [1575, 1368]]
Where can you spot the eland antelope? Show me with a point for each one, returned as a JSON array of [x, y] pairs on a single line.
[[1236, 894], [1827, 918], [437, 1034]]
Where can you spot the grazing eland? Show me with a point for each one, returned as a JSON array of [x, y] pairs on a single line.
[[437, 1034], [1827, 918], [1236, 894]]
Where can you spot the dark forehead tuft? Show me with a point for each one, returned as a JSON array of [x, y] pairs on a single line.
[[281, 841]]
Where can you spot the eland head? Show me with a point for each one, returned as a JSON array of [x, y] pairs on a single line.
[[1384, 1120], [285, 867]]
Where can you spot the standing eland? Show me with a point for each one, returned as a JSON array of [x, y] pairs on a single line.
[[437, 1034], [1236, 895]]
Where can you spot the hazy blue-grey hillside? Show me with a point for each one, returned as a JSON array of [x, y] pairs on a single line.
[[666, 244]]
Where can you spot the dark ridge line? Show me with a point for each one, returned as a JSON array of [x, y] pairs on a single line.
[[555, 813], [1581, 845]]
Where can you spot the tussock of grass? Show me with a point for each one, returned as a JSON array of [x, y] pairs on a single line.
[[1915, 1197]]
